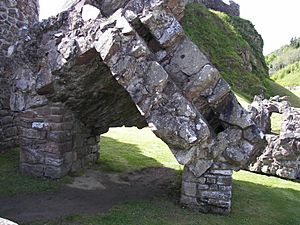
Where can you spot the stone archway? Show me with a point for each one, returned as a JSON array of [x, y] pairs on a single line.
[[132, 66]]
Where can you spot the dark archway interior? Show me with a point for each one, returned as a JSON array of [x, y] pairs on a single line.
[[92, 93]]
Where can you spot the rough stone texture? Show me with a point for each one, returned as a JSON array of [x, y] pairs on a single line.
[[232, 8], [15, 17], [262, 109], [132, 66], [210, 193], [282, 155], [54, 142]]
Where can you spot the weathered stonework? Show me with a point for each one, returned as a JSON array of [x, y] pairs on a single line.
[[130, 65], [282, 155], [54, 142], [14, 15], [211, 192]]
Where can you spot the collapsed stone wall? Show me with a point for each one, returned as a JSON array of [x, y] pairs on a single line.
[[281, 157], [232, 9], [131, 66], [14, 15]]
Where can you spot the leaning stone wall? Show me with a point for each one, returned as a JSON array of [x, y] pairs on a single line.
[[75, 78], [13, 16]]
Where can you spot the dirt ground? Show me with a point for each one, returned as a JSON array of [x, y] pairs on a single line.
[[95, 192]]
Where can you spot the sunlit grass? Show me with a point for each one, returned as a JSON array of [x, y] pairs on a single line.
[[127, 149], [257, 199]]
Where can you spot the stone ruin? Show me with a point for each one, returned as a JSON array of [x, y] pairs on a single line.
[[282, 154], [69, 80]]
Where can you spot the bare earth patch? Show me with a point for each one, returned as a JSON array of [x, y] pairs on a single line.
[[95, 192]]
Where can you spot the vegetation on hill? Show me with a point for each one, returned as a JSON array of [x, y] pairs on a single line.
[[286, 55], [284, 64], [288, 76], [235, 48]]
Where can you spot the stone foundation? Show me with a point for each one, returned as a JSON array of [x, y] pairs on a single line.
[[210, 193], [54, 142]]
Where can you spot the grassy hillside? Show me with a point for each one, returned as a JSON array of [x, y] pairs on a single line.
[[235, 48], [289, 76], [284, 64], [286, 55]]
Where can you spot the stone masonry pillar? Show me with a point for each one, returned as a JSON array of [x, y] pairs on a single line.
[[54, 143], [210, 193], [14, 14]]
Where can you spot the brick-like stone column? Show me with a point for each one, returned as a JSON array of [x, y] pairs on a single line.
[[54, 143], [210, 193]]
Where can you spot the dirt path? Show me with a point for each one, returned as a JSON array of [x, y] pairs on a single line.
[[95, 192]]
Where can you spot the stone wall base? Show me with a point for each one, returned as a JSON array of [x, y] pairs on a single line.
[[54, 143], [210, 193]]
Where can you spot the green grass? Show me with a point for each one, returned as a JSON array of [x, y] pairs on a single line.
[[12, 182], [257, 199], [297, 93], [289, 76], [133, 149], [283, 57], [243, 101], [276, 120]]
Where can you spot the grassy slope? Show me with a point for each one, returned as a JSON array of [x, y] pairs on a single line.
[[289, 76], [227, 42], [284, 56], [284, 65], [12, 182], [257, 199]]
